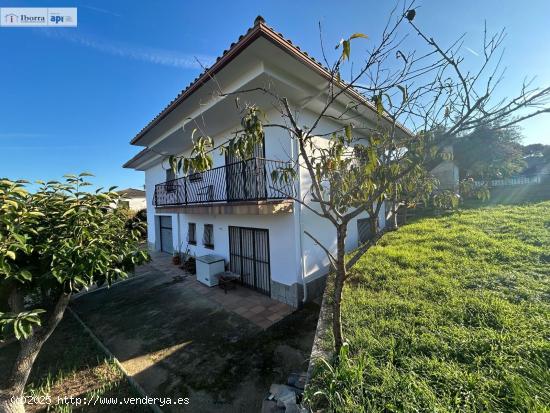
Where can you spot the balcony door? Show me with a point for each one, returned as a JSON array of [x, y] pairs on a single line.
[[245, 179]]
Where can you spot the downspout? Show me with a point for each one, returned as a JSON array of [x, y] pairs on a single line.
[[294, 149], [302, 260], [179, 233]]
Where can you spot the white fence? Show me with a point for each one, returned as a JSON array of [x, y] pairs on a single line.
[[516, 180]]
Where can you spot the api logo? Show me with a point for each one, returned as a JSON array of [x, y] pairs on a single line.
[[58, 19]]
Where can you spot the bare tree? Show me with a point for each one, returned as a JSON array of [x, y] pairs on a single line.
[[423, 99]]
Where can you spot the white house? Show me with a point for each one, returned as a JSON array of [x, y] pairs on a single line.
[[233, 210], [133, 199]]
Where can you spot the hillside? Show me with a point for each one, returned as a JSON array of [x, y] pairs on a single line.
[[448, 314]]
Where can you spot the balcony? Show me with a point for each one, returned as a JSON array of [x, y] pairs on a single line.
[[243, 184]]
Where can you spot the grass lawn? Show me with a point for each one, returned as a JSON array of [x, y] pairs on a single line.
[[70, 364], [448, 314]]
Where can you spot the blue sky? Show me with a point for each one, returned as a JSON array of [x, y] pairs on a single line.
[[71, 99]]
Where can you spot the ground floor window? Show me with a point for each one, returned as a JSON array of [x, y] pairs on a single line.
[[208, 236], [191, 233]]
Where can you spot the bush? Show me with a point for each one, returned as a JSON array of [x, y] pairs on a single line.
[[137, 220]]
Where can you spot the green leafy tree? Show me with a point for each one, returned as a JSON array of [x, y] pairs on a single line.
[[489, 153], [53, 243], [537, 157], [354, 168]]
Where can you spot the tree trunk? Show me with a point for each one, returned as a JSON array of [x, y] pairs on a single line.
[[339, 279], [395, 209], [29, 349], [373, 222], [395, 223], [9, 406]]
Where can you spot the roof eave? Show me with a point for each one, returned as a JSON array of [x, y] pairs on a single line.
[[259, 29]]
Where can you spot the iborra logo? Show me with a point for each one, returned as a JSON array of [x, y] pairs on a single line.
[[11, 18]]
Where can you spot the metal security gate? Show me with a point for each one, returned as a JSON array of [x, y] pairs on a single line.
[[166, 243], [249, 257]]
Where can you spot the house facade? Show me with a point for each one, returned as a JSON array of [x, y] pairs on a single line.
[[133, 199], [235, 210]]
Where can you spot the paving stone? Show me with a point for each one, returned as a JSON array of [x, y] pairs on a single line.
[[265, 324], [258, 309], [275, 317]]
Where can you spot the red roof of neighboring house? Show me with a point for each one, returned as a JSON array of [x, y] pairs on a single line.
[[259, 29]]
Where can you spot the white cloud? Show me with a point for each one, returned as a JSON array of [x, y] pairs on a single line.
[[20, 135], [100, 10], [152, 55], [472, 51]]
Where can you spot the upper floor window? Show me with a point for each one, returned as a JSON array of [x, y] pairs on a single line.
[[191, 233], [170, 174], [194, 175], [208, 236]]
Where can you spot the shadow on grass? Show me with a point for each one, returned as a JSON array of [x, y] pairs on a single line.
[[71, 365]]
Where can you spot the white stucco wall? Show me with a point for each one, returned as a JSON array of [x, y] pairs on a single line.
[[136, 204], [282, 243], [316, 262]]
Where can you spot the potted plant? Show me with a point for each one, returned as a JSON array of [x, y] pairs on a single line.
[[176, 258], [189, 263]]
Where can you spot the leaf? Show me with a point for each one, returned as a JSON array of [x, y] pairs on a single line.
[[358, 35], [348, 131], [26, 274], [10, 254], [172, 162], [68, 212], [345, 50], [377, 99]]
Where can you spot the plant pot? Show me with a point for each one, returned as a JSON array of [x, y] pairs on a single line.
[[176, 260], [189, 265]]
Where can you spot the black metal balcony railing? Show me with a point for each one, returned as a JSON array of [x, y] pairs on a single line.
[[249, 180]]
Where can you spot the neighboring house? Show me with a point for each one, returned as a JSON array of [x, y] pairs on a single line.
[[133, 199], [235, 210]]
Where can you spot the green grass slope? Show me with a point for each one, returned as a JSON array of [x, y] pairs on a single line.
[[448, 314]]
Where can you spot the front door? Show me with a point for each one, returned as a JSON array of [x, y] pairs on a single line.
[[249, 257], [245, 179], [166, 242]]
